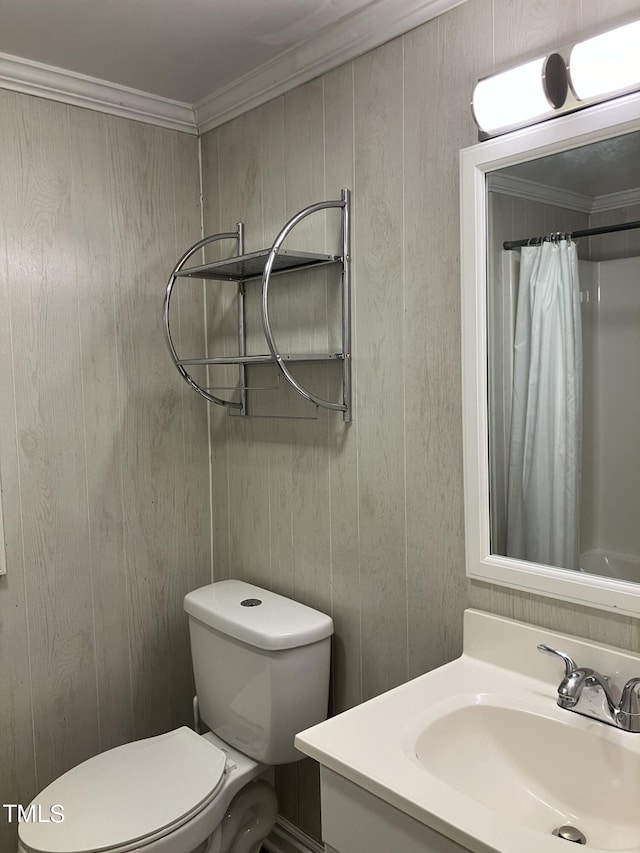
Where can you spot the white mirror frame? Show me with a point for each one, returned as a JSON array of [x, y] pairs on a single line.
[[595, 123]]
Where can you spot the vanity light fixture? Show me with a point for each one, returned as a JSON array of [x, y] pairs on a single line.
[[522, 95], [607, 64], [569, 78]]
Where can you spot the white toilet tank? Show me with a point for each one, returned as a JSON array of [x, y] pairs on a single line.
[[261, 667]]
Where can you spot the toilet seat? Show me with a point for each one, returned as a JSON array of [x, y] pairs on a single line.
[[129, 796]]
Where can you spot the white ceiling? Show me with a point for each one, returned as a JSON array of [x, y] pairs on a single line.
[[178, 49]]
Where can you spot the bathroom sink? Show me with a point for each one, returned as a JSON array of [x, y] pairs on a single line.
[[536, 764], [479, 752]]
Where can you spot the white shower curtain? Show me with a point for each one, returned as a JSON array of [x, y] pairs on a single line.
[[546, 420]]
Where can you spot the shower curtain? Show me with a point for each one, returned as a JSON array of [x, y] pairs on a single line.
[[546, 420]]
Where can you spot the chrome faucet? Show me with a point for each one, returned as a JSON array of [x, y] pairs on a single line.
[[588, 693]]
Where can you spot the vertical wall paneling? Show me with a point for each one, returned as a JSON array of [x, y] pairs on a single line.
[[596, 16], [195, 559], [624, 244], [218, 302], [522, 28], [241, 200], [434, 94], [17, 753], [101, 450], [153, 486], [343, 442], [49, 406], [304, 151], [379, 324], [304, 183], [281, 573], [99, 383], [280, 446]]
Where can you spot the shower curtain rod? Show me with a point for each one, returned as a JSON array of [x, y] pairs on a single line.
[[588, 232]]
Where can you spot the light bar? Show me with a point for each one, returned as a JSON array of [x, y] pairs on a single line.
[[521, 95], [571, 78], [606, 64]]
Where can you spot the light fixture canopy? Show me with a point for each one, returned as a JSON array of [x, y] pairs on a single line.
[[606, 64]]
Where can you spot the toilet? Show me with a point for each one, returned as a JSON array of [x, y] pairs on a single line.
[[261, 668]]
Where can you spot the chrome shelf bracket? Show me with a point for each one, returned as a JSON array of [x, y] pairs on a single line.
[[238, 236], [344, 405]]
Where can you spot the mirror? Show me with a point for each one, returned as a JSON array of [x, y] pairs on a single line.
[[551, 358]]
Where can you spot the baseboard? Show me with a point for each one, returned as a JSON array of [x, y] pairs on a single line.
[[287, 838]]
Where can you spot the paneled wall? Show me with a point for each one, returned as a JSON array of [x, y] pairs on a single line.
[[102, 447], [624, 244], [366, 521]]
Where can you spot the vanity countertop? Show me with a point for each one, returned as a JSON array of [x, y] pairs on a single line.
[[380, 745]]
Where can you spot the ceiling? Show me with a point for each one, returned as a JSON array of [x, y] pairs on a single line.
[[598, 169], [189, 65], [177, 49]]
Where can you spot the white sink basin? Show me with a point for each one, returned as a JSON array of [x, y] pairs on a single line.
[[478, 750], [533, 764]]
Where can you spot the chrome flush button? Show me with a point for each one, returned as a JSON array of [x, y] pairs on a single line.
[[251, 602]]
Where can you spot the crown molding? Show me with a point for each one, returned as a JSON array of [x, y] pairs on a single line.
[[68, 87], [613, 201], [337, 44], [532, 191]]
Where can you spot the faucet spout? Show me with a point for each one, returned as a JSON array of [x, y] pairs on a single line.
[[572, 687]]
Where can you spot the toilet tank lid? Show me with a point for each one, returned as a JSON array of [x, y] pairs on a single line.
[[256, 616]]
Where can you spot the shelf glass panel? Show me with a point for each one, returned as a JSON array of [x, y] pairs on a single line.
[[246, 267], [265, 359]]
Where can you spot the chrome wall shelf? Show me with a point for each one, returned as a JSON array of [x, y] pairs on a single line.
[[264, 265]]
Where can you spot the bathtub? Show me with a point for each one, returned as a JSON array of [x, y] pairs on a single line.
[[609, 564]]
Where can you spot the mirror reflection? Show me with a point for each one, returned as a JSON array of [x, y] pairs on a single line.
[[564, 359]]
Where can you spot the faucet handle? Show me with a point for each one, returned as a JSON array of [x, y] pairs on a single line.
[[569, 664], [630, 698]]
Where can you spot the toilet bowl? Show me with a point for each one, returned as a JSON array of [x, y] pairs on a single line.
[[261, 675]]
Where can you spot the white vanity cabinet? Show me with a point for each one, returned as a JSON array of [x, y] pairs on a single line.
[[354, 820]]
